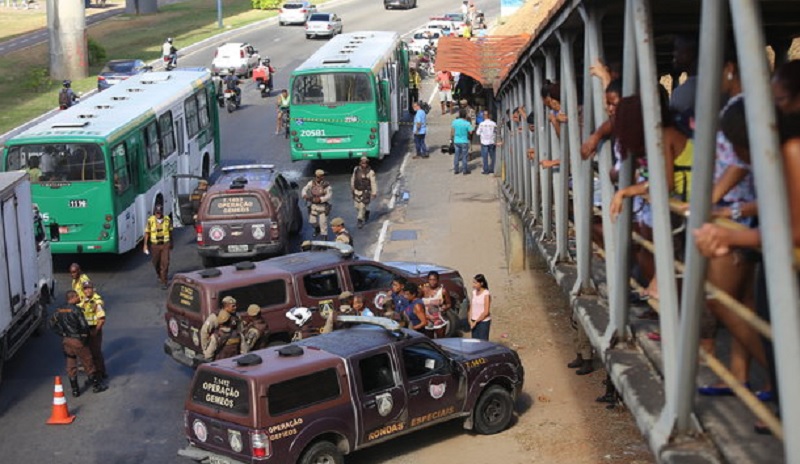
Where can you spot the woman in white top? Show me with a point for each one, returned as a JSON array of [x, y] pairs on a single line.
[[480, 308]]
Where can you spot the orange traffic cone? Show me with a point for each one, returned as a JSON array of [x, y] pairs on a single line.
[[60, 414]]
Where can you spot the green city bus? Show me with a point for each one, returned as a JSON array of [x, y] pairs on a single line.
[[347, 100], [99, 167]]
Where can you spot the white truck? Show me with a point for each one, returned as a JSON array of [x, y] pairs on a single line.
[[26, 275]]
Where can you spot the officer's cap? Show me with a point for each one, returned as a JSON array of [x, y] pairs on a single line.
[[88, 284], [253, 310], [337, 221], [223, 317], [319, 173], [229, 300], [346, 295]]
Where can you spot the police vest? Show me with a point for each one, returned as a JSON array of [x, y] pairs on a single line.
[[362, 180], [344, 237], [159, 233], [318, 189], [91, 311]]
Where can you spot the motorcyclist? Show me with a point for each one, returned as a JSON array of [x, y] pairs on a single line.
[[264, 72], [219, 89], [170, 54], [283, 106], [66, 96], [232, 83]]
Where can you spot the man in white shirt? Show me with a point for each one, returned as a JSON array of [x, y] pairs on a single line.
[[487, 130]]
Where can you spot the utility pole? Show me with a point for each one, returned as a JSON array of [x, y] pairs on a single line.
[[66, 26], [137, 7]]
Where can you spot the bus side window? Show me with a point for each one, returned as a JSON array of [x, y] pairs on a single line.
[[119, 156], [166, 133], [153, 145]]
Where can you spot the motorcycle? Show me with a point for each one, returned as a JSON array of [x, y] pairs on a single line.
[[232, 101], [171, 61], [426, 60], [263, 80]]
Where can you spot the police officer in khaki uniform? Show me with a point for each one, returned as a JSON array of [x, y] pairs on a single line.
[[212, 321], [342, 234], [95, 314], [318, 194], [158, 241], [197, 196], [364, 188], [255, 330], [224, 342]]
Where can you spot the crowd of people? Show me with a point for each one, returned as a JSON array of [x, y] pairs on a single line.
[[735, 264]]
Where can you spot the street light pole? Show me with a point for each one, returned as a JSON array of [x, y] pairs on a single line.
[[219, 14]]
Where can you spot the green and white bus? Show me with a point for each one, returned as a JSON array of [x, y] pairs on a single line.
[[346, 100], [99, 167]]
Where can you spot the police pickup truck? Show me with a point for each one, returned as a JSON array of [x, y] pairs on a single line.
[[320, 398]]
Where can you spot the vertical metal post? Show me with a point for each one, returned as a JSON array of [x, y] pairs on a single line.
[[515, 137], [659, 201], [713, 23], [774, 217], [549, 152], [562, 183], [580, 175], [621, 269], [219, 14], [606, 162], [538, 138], [527, 141], [501, 128], [518, 186]]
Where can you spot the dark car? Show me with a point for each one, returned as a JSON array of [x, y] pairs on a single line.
[[311, 279], [392, 4], [116, 71], [249, 213], [323, 397]]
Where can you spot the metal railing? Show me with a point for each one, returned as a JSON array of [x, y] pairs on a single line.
[[542, 197]]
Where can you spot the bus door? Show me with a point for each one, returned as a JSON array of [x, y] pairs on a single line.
[[186, 198], [385, 133], [125, 192], [395, 98]]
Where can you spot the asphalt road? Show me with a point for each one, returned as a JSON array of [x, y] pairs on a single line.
[[140, 418]]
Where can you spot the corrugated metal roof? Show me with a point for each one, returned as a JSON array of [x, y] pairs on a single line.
[[487, 59]]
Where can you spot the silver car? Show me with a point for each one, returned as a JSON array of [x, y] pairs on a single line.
[[241, 57], [295, 12], [323, 25]]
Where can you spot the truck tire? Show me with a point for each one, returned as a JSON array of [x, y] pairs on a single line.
[[494, 411], [42, 309], [322, 452]]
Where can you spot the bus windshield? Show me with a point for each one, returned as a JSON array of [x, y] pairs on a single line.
[[331, 88], [65, 162]]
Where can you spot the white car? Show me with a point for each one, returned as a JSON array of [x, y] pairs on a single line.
[[242, 57], [422, 37], [323, 24], [443, 24], [295, 13]]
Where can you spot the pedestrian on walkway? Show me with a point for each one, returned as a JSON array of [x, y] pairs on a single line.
[[318, 193], [94, 311], [420, 131], [158, 233], [69, 323], [487, 131], [365, 188], [480, 315], [460, 131], [414, 83], [444, 79]]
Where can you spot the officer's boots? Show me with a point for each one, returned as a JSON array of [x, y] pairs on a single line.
[[76, 389], [97, 384]]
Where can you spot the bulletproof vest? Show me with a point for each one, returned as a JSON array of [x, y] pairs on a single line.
[[345, 237], [69, 322], [362, 179], [318, 188]]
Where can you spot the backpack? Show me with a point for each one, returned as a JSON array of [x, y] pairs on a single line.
[[425, 107], [63, 98]]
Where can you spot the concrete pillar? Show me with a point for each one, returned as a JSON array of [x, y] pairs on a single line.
[[66, 26]]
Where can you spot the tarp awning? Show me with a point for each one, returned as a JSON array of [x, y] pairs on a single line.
[[485, 59]]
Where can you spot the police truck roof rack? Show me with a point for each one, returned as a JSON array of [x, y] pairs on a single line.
[[384, 322], [346, 251]]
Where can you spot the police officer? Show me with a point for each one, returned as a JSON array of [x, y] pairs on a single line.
[[318, 194], [212, 321], [158, 234], [342, 234], [224, 342], [69, 323], [78, 278], [345, 307], [364, 188], [94, 311], [254, 330], [197, 196]]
